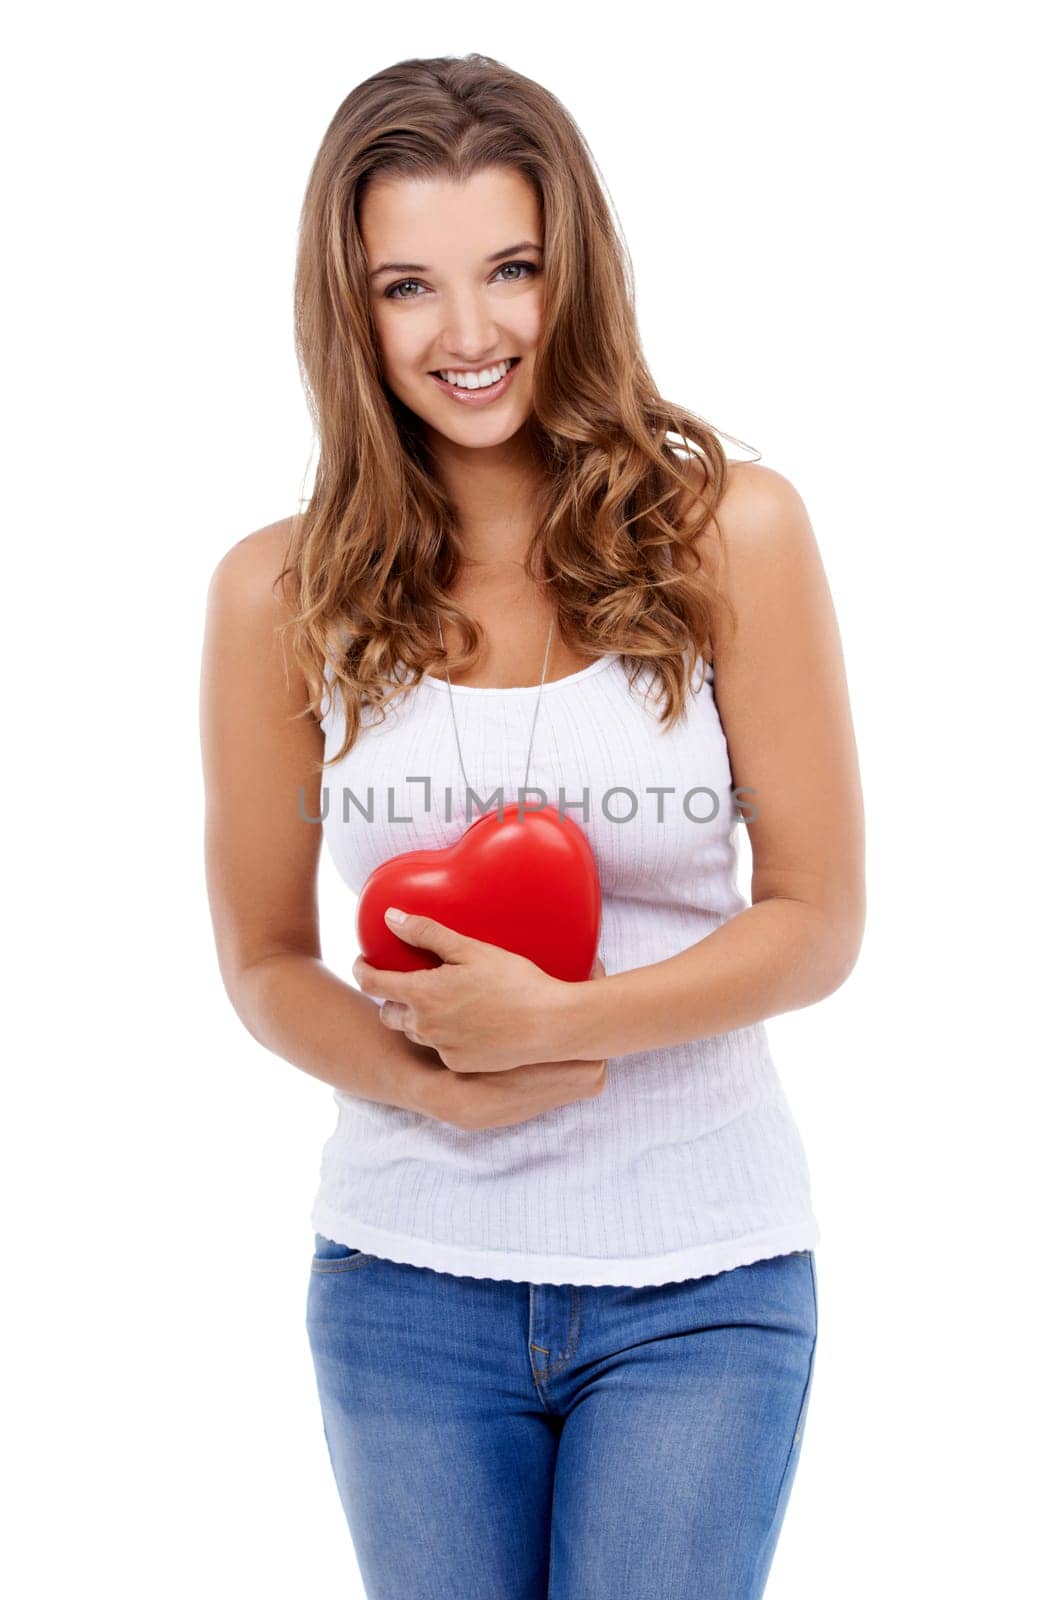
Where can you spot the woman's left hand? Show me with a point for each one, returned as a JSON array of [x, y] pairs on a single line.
[[484, 1009]]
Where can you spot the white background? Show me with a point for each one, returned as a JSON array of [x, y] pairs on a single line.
[[832, 214]]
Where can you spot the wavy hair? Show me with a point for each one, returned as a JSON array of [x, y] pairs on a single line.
[[374, 550]]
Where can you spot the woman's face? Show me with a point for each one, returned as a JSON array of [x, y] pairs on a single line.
[[465, 292]]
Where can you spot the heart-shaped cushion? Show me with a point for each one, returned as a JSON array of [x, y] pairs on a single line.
[[528, 883]]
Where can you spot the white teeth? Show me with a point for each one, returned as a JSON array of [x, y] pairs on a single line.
[[477, 380]]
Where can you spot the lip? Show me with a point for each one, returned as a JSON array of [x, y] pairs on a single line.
[[477, 397]]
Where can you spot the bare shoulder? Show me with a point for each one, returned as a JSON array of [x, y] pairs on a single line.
[[247, 574], [757, 504], [758, 499], [759, 542], [246, 649], [760, 514]]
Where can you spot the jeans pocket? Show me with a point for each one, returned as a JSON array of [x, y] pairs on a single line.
[[331, 1256]]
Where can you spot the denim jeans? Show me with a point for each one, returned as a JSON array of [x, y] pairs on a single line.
[[494, 1440]]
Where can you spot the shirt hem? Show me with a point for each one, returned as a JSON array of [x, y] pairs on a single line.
[[632, 1272]]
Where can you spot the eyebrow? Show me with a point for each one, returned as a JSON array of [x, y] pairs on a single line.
[[415, 266]]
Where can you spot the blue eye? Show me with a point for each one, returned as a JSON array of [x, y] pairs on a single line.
[[530, 270]]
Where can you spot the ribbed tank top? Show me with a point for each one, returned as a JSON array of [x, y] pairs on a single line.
[[689, 1162]]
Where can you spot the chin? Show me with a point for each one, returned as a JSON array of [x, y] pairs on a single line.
[[479, 436]]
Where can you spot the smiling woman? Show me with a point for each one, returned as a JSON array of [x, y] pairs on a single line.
[[537, 1191]]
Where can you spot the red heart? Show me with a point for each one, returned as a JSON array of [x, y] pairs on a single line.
[[528, 883]]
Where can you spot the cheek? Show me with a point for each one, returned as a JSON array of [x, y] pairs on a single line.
[[396, 347], [403, 340], [528, 325], [525, 336]]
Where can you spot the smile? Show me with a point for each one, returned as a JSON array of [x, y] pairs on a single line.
[[481, 393]]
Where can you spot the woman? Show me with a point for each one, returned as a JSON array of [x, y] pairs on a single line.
[[562, 1304]]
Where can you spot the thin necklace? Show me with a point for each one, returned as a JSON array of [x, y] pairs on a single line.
[[535, 714]]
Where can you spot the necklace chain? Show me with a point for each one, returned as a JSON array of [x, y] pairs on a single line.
[[535, 714]]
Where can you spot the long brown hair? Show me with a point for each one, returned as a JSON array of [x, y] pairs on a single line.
[[374, 552]]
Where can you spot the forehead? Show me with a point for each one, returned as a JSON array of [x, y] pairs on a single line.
[[435, 220]]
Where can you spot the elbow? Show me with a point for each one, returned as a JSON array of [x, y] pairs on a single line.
[[838, 976], [245, 990], [844, 947], [253, 985], [246, 1010], [827, 943]]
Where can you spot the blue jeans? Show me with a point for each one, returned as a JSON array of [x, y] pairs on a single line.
[[494, 1440]]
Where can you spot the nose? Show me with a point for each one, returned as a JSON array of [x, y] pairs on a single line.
[[470, 335]]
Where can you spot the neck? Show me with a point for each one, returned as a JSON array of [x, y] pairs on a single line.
[[495, 494]]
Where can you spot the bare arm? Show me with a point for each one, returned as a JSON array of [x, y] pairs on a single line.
[[781, 692], [262, 854]]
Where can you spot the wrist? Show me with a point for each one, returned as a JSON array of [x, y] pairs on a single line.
[[420, 1078], [568, 1021]]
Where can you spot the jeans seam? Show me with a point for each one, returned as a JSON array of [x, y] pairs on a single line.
[[575, 1319], [795, 1440]]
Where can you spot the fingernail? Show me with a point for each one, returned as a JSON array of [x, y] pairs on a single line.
[[394, 915]]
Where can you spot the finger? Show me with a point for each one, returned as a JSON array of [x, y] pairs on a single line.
[[383, 983], [431, 934]]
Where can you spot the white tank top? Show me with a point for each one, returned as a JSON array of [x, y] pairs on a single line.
[[689, 1162]]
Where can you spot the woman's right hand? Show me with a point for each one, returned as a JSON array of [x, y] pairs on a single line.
[[474, 1100]]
